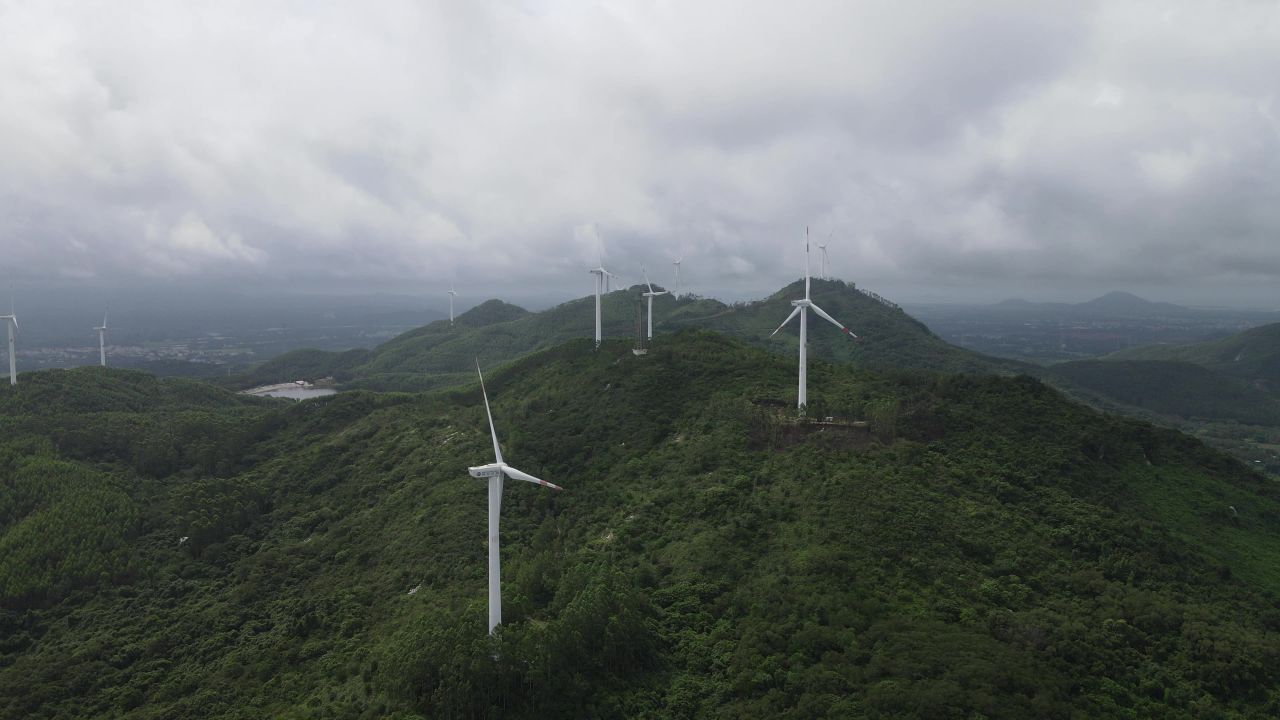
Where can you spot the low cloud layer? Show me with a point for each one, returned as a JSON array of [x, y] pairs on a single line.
[[990, 145]]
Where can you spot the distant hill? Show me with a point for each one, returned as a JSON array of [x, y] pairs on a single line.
[[495, 332], [439, 355], [1252, 356], [890, 339], [1125, 304], [1114, 304], [1168, 387]]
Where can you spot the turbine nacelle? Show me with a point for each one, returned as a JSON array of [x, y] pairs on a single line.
[[491, 470], [603, 273]]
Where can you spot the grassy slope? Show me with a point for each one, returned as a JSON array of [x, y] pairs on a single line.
[[1002, 552]]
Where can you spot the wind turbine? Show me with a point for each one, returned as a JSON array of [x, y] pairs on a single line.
[[451, 294], [602, 278], [12, 321], [649, 296], [679, 285], [802, 308], [102, 340], [494, 472], [823, 248]]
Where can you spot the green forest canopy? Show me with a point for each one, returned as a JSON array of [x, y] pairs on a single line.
[[980, 548]]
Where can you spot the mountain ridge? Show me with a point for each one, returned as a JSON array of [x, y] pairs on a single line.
[[438, 355]]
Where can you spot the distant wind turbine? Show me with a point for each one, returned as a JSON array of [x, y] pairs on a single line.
[[649, 296], [679, 285], [11, 320], [824, 275], [102, 340], [602, 279], [451, 294], [494, 472], [802, 308]]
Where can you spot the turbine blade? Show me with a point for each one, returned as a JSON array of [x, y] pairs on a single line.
[[497, 452], [794, 312], [823, 314], [646, 278], [515, 474], [806, 262]]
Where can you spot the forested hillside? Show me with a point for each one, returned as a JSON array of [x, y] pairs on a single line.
[[1170, 387], [439, 355], [889, 338], [1226, 391], [979, 547], [1252, 356]]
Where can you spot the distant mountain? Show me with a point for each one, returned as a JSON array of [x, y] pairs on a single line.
[[1123, 304], [438, 354], [1112, 305], [1252, 356]]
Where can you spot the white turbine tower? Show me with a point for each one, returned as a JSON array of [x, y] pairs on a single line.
[[802, 308], [451, 294], [649, 296], [494, 472], [602, 278], [824, 274], [102, 340], [679, 285], [11, 320]]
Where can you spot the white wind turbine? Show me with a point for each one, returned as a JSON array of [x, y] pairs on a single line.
[[451, 294], [11, 320], [679, 285], [602, 277], [102, 340], [823, 248], [649, 296], [494, 472], [802, 308]]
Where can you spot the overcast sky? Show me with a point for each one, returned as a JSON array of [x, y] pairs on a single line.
[[944, 150]]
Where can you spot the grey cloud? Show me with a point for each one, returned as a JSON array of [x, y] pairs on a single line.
[[407, 142]]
